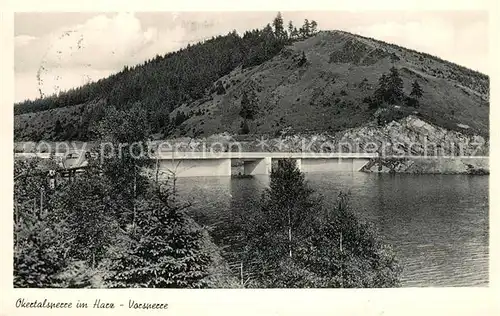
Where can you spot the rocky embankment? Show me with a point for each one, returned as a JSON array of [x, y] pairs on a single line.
[[409, 145]]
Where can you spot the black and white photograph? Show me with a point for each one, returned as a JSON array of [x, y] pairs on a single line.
[[251, 150]]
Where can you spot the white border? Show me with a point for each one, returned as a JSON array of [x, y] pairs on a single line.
[[405, 301]]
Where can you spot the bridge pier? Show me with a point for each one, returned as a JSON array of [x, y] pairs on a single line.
[[257, 167]]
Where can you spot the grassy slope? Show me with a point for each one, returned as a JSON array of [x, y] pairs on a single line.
[[311, 98]]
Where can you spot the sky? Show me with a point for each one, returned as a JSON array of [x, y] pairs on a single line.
[[57, 51]]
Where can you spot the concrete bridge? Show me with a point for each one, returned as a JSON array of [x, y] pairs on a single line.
[[191, 164], [196, 164]]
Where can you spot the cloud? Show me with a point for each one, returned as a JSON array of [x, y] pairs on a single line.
[[91, 50], [22, 40], [101, 42]]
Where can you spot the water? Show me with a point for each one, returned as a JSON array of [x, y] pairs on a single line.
[[437, 224]]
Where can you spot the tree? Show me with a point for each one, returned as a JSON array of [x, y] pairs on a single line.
[[314, 26], [164, 250], [219, 88], [348, 252], [279, 30], [380, 93], [282, 220], [290, 30], [395, 92], [416, 91], [58, 129], [415, 94], [390, 88], [86, 207], [39, 252], [248, 105], [306, 28], [124, 154]]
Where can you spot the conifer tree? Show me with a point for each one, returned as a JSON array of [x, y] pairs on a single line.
[[395, 92], [248, 105], [283, 219], [290, 30], [314, 26], [416, 91], [380, 93], [39, 248], [279, 30], [306, 28], [415, 95], [348, 252], [86, 207], [163, 250]]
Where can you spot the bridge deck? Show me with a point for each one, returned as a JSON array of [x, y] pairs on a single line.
[[260, 155]]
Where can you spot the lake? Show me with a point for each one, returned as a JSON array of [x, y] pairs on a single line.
[[437, 224]]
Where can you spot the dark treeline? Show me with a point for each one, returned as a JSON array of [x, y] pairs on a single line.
[[164, 82]]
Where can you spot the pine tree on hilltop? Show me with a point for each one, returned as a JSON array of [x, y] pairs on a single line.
[[314, 26], [306, 28], [290, 30], [279, 29]]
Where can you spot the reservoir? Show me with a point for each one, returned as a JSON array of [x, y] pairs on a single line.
[[437, 224]]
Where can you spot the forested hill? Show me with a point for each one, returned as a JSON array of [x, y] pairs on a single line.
[[266, 81]]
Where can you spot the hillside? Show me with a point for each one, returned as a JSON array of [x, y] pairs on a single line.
[[326, 92]]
